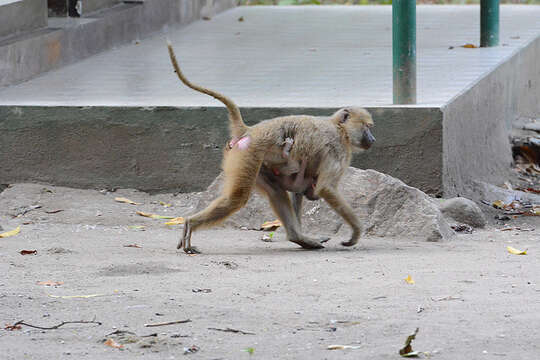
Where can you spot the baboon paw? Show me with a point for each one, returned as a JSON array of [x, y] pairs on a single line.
[[349, 243], [308, 243], [192, 250]]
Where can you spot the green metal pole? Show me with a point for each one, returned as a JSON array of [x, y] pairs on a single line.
[[489, 23], [404, 51]]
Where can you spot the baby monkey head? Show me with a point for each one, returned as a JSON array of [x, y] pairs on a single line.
[[356, 122]]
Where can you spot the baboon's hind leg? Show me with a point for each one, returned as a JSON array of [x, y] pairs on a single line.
[[240, 176]]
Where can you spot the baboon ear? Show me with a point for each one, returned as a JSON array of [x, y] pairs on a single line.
[[344, 116]]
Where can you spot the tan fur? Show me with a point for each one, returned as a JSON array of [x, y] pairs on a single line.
[[323, 145]]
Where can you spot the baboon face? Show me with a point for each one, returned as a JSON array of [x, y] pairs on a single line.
[[357, 122]]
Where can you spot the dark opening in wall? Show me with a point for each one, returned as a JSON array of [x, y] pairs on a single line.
[[63, 8]]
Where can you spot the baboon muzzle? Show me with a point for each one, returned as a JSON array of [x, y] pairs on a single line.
[[367, 139]]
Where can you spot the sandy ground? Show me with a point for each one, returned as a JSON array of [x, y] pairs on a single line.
[[471, 298]]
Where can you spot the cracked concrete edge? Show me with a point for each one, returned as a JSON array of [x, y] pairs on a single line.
[[180, 149], [50, 48]]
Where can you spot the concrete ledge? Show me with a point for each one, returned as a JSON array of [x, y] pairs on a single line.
[[32, 54], [22, 15], [164, 148]]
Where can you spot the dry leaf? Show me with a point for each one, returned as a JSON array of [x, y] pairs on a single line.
[[110, 342], [409, 280], [54, 211], [76, 296], [469, 46], [10, 233], [407, 350], [341, 347], [176, 221], [514, 251], [50, 283], [164, 204], [12, 327], [124, 200], [134, 246], [270, 225], [154, 216], [28, 252]]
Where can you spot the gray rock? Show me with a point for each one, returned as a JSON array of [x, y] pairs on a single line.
[[386, 207], [490, 193], [463, 211]]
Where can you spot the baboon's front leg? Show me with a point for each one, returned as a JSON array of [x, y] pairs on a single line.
[[338, 203]]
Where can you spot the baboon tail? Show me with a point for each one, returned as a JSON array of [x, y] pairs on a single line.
[[237, 125]]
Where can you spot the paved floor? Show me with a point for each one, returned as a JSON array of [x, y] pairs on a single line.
[[287, 56]]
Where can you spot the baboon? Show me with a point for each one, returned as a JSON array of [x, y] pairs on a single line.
[[323, 147]]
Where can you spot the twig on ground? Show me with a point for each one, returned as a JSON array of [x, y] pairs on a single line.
[[168, 323], [236, 331], [21, 322]]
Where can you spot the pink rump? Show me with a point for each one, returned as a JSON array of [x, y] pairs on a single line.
[[243, 143]]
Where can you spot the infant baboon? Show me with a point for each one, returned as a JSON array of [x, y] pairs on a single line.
[[322, 146]]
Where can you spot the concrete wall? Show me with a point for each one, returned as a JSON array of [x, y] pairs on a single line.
[[24, 15], [478, 121], [53, 48], [181, 148], [528, 85]]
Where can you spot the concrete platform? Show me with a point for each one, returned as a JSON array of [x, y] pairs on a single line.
[[282, 60]]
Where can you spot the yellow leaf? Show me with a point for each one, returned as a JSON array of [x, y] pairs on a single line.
[[176, 221], [409, 280], [113, 344], [10, 233], [164, 204], [124, 200], [469, 46], [154, 216], [498, 204], [270, 225], [514, 251]]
